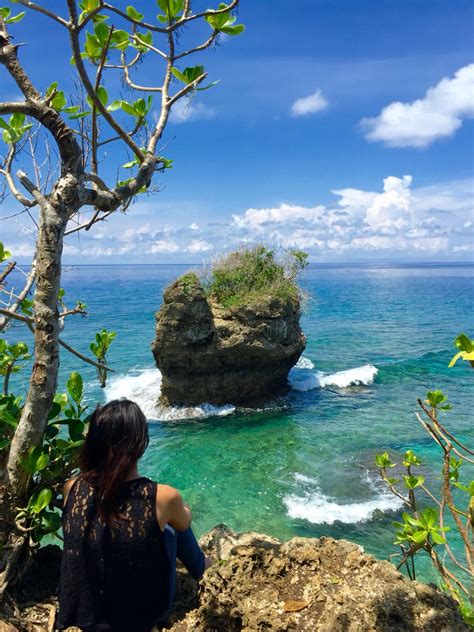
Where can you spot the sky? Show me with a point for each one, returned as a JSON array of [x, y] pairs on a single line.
[[340, 127]]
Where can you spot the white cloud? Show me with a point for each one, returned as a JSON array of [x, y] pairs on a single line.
[[438, 115], [186, 110], [163, 246], [392, 208], [259, 218], [309, 105], [398, 221], [199, 245]]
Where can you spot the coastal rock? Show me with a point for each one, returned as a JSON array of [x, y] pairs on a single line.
[[310, 585], [259, 583], [232, 355]]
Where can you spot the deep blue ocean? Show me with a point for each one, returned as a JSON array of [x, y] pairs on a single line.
[[378, 337]]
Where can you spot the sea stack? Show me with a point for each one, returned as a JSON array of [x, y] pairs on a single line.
[[227, 347]]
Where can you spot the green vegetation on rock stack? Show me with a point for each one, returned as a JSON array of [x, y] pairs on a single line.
[[247, 276]]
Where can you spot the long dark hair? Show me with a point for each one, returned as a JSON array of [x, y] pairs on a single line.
[[116, 439]]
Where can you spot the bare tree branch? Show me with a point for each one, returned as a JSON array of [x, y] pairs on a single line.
[[81, 69], [36, 7], [21, 297], [6, 172]]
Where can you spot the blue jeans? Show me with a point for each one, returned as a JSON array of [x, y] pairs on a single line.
[[183, 546]]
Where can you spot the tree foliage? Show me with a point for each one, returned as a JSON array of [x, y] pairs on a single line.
[[423, 527]]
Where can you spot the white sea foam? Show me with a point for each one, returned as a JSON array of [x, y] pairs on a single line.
[[144, 388], [321, 509], [302, 380], [316, 507], [304, 363]]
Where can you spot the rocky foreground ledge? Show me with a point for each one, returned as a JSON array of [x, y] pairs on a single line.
[[308, 584], [260, 583]]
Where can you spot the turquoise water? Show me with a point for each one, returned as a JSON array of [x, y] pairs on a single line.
[[304, 465]]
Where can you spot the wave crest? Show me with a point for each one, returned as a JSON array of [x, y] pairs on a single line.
[[301, 380], [144, 388], [316, 507]]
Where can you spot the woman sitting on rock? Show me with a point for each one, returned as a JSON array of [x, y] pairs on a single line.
[[122, 531]]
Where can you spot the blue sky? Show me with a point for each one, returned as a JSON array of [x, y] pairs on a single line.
[[340, 127]]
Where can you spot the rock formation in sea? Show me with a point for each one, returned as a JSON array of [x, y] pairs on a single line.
[[258, 584], [236, 354]]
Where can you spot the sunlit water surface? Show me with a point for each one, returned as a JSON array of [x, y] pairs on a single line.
[[378, 337]]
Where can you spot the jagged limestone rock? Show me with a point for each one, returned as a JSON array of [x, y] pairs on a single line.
[[224, 355], [310, 585]]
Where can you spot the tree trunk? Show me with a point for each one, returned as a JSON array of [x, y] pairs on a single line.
[[43, 381]]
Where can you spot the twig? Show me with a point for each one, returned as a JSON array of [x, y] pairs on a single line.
[[8, 268]]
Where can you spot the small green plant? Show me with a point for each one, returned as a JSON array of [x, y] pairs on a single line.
[[51, 463], [466, 350], [425, 528], [4, 254], [103, 340], [246, 276], [189, 281], [10, 357]]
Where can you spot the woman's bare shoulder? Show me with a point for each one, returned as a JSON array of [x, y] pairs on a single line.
[[166, 494]]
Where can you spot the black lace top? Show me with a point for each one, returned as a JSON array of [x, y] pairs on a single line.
[[120, 575]]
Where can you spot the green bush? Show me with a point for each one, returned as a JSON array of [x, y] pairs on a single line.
[[246, 276], [51, 463]]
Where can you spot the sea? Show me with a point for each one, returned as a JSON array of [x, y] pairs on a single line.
[[378, 337]]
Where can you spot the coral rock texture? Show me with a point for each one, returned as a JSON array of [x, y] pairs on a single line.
[[234, 355]]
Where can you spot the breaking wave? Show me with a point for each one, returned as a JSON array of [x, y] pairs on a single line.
[[301, 379], [144, 388], [316, 507]]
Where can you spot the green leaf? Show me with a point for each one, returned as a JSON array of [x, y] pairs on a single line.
[[466, 347], [411, 459], [438, 538], [233, 30], [41, 500], [4, 254], [429, 516], [435, 398], [101, 31], [419, 537], [383, 460], [115, 105], [55, 410], [15, 18], [75, 386], [50, 521], [61, 399], [120, 39], [412, 482], [128, 108], [59, 101], [17, 120], [102, 95], [79, 115], [464, 343], [134, 14], [179, 75], [42, 462]]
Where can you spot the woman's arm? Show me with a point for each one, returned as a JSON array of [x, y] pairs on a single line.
[[170, 508]]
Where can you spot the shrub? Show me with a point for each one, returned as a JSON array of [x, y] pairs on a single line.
[[426, 529], [248, 275]]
